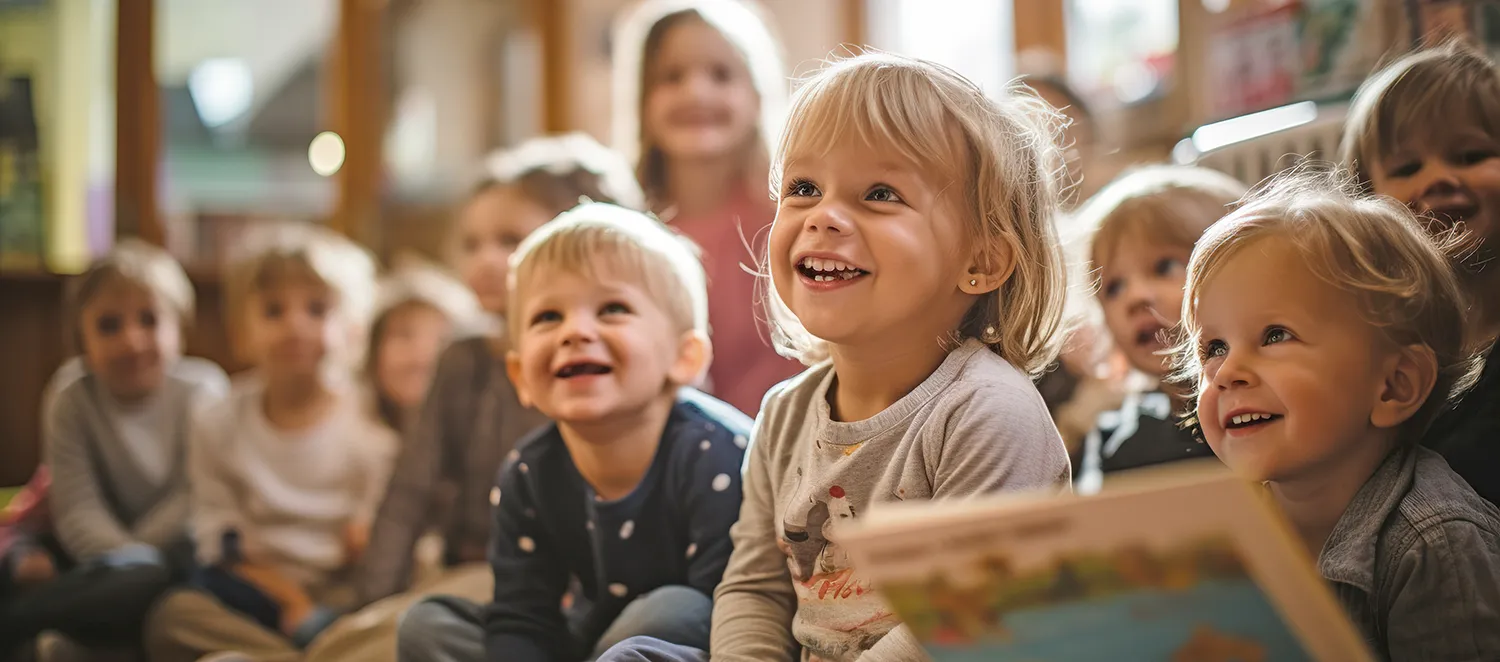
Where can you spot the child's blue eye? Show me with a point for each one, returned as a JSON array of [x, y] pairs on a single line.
[[1212, 349], [1275, 335], [148, 319], [545, 316], [801, 188], [272, 311], [614, 308], [317, 309], [882, 194]]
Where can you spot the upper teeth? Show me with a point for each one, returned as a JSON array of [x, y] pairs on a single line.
[[824, 264], [1249, 418]]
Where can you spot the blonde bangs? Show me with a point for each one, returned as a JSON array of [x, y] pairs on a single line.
[[895, 106], [1417, 99], [997, 161], [605, 243]]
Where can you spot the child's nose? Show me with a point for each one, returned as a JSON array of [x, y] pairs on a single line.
[[1233, 372], [828, 218], [579, 328]]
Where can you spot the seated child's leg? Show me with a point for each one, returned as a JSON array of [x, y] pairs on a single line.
[[674, 614], [648, 649], [187, 624], [441, 629], [369, 635], [239, 595], [96, 604]]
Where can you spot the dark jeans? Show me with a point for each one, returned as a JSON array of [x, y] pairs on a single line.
[[100, 603]]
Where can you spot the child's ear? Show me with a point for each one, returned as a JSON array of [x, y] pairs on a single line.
[[1408, 381], [989, 267], [513, 370], [694, 353]]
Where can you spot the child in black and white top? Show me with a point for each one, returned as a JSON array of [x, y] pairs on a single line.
[[632, 491], [1139, 231]]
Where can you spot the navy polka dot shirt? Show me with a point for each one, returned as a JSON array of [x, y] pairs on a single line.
[[550, 529]]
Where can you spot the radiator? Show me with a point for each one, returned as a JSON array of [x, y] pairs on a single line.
[[1255, 159]]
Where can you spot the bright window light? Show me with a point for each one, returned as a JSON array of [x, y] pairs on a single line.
[[222, 89], [326, 153], [1210, 137]]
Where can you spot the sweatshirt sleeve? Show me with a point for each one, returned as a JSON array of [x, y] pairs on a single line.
[[380, 460], [524, 623], [997, 437], [166, 522], [755, 603], [85, 525], [215, 508], [385, 567]]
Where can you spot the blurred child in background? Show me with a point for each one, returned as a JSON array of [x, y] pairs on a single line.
[[1426, 131], [418, 309], [1325, 333], [116, 435], [699, 92], [1140, 232], [287, 473]]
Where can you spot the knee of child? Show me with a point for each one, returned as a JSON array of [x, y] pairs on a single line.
[[417, 625], [676, 599]]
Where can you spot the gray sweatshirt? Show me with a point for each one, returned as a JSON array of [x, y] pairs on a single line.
[[118, 472], [976, 425]]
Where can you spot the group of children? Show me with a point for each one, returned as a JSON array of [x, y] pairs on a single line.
[[1328, 335]]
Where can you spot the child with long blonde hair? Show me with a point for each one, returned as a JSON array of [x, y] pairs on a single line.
[[699, 91], [916, 269]]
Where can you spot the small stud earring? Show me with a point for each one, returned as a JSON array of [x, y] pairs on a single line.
[[973, 282], [989, 331]]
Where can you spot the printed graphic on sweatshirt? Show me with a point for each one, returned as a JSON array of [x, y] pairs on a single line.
[[839, 614]]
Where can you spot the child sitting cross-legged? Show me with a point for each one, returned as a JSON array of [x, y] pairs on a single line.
[[633, 489], [286, 474], [1325, 333]]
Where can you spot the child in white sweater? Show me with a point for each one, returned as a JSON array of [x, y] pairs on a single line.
[[287, 474]]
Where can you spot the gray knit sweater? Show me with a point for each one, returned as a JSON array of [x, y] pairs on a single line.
[[100, 497]]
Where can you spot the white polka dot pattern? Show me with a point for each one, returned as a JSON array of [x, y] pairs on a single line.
[[618, 590], [692, 549], [626, 529], [526, 544], [741, 441], [721, 482], [494, 496], [705, 445], [523, 468]]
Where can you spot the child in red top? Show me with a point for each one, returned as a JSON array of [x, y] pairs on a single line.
[[699, 88]]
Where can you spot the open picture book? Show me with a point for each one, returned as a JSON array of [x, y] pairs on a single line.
[[1185, 563]]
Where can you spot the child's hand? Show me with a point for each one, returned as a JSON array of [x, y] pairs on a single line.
[[294, 602], [34, 567], [356, 539]]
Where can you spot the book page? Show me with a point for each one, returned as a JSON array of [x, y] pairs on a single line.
[[1174, 566]]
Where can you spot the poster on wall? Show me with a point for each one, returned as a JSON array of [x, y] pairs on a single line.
[[1270, 54], [1253, 61], [21, 222]]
